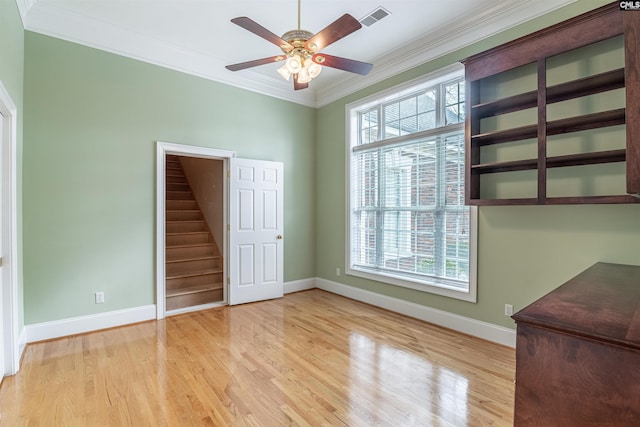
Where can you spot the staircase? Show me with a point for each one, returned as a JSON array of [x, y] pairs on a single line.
[[193, 261]]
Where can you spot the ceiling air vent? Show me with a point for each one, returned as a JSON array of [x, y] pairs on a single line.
[[374, 16]]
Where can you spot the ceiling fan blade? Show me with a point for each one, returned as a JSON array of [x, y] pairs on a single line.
[[255, 63], [340, 28], [298, 86], [345, 64], [257, 29]]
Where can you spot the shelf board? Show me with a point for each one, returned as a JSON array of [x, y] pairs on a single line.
[[508, 135], [587, 121], [556, 127], [522, 101], [594, 200], [593, 158], [570, 200], [502, 202], [580, 159], [597, 83], [510, 166]]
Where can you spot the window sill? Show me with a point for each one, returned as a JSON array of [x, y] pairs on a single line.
[[432, 287]]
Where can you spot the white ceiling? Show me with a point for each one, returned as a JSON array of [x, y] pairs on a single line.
[[197, 37]]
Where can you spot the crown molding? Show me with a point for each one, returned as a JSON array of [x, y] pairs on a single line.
[[439, 42], [47, 19], [24, 6]]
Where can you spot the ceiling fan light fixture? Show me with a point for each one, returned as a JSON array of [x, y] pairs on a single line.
[[300, 48], [304, 76], [314, 69], [284, 72], [294, 64]]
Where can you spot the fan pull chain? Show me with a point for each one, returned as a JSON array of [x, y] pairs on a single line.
[[298, 14]]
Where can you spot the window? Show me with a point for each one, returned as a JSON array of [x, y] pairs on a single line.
[[407, 222]]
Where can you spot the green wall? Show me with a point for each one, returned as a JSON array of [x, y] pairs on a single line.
[[92, 122], [11, 76], [92, 119], [524, 252]]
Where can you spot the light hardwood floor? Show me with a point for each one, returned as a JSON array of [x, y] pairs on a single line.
[[310, 359]]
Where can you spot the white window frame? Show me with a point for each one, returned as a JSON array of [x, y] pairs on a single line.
[[432, 285]]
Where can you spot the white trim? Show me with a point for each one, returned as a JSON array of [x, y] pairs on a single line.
[[23, 8], [299, 285], [94, 322], [162, 149], [430, 285], [441, 75], [55, 21], [89, 323], [10, 232], [466, 325], [439, 42], [22, 341]]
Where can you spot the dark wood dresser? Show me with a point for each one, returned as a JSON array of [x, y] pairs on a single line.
[[578, 352]]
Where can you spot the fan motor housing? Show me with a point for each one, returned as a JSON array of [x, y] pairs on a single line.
[[296, 38]]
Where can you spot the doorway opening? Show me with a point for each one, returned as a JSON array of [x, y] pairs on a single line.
[[191, 252], [248, 250], [194, 232], [11, 342]]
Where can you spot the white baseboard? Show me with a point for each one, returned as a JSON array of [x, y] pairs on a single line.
[[93, 322], [22, 343], [78, 325], [480, 329], [299, 285]]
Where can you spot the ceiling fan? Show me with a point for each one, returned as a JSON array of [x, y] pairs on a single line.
[[300, 50]]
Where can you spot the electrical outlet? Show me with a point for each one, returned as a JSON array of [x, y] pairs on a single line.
[[99, 297], [337, 271], [508, 309]]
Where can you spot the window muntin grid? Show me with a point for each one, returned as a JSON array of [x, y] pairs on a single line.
[[407, 205]]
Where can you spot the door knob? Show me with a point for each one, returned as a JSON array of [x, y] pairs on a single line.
[[279, 237]]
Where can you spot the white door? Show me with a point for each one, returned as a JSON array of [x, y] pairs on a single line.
[[256, 224]]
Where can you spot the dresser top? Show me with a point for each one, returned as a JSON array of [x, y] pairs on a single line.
[[602, 303]]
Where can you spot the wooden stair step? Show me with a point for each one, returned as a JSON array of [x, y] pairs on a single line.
[[185, 226], [195, 258], [179, 195], [194, 289], [190, 253], [183, 215], [175, 179], [177, 186], [181, 204], [176, 267], [193, 299], [195, 273], [194, 278], [185, 238]]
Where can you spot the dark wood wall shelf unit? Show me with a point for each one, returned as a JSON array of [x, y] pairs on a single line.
[[534, 49], [578, 352]]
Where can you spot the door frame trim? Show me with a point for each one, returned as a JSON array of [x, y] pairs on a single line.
[[9, 225], [162, 150]]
